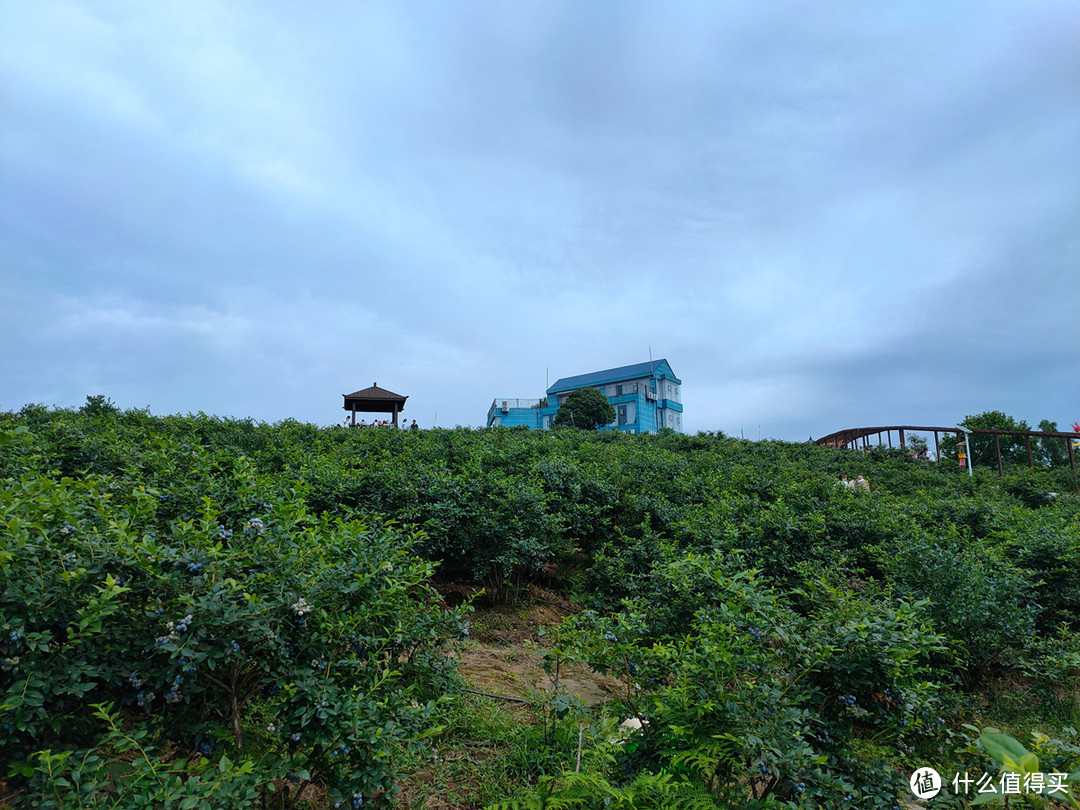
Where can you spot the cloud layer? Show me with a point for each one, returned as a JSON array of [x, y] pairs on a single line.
[[822, 219]]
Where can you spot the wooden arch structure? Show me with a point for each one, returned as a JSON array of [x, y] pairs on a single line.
[[374, 400], [860, 437]]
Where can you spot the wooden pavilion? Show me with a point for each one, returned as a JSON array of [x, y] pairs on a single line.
[[375, 400]]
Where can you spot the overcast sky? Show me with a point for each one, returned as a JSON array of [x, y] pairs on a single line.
[[823, 215]]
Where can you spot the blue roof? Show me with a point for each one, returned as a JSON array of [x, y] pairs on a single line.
[[635, 371]]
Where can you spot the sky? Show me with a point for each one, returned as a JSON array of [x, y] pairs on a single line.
[[823, 215]]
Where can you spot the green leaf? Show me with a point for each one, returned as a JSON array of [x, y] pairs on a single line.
[[1029, 763], [1006, 750]]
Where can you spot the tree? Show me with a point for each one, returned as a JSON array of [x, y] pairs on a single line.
[[1013, 448], [99, 405], [585, 408], [1051, 452], [916, 446]]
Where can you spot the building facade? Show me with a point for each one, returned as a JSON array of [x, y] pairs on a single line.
[[645, 396]]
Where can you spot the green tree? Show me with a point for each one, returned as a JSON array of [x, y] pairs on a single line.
[[916, 446], [1051, 452], [585, 408], [1013, 448]]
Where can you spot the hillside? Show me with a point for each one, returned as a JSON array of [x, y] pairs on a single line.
[[274, 615]]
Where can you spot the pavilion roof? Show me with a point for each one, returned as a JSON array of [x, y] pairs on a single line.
[[373, 399]]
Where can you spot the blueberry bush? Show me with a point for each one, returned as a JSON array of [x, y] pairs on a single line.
[[257, 648], [195, 606]]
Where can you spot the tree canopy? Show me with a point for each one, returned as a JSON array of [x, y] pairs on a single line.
[[585, 408]]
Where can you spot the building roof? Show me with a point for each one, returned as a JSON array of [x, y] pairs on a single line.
[[646, 369], [373, 399]]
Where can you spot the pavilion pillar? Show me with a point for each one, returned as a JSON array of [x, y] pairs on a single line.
[[1031, 461], [937, 447], [997, 448], [901, 437]]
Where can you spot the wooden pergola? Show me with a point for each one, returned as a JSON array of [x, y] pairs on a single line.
[[375, 400], [852, 437]]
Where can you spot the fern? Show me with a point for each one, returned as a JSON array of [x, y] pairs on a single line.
[[590, 791]]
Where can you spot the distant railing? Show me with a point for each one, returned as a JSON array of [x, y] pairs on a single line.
[[506, 404], [853, 436]]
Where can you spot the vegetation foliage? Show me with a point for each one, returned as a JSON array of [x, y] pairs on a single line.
[[193, 604], [586, 409]]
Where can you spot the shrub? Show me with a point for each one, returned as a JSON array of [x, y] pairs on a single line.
[[282, 645]]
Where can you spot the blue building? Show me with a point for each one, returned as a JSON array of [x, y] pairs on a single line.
[[645, 396]]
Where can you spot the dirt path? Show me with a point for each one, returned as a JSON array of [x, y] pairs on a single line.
[[516, 672], [500, 661]]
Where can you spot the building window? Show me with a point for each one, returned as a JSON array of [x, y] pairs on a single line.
[[618, 390], [622, 413]]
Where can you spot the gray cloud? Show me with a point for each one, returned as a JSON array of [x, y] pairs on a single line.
[[816, 217]]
